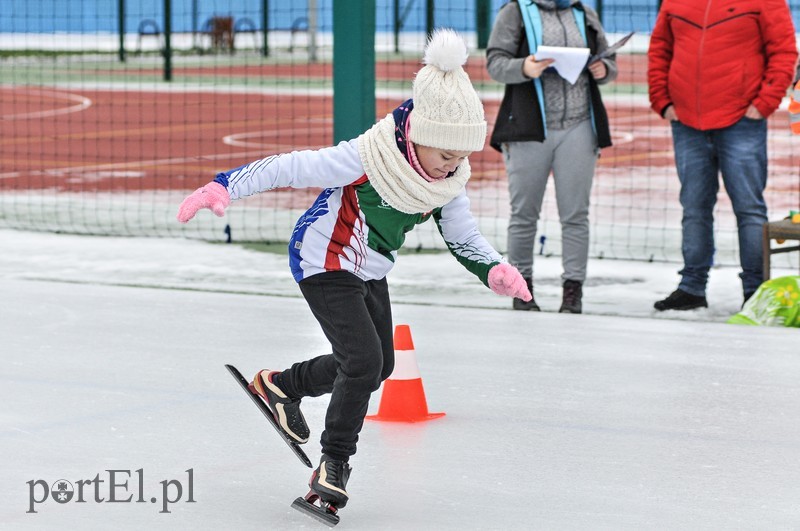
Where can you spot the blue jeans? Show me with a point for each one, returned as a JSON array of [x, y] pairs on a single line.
[[739, 152]]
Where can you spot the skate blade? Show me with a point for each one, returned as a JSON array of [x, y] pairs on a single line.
[[326, 515]]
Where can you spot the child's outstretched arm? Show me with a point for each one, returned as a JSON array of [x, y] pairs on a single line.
[[330, 167], [470, 248]]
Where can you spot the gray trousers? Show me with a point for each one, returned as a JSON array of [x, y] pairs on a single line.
[[571, 154]]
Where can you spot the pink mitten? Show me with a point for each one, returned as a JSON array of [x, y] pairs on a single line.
[[213, 196], [504, 279]]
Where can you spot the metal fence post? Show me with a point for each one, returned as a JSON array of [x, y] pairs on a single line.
[[265, 27], [121, 13], [353, 68], [429, 17], [483, 18], [167, 43]]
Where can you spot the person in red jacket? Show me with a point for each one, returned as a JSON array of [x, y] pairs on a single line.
[[716, 71]]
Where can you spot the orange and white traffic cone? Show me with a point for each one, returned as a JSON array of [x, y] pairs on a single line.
[[403, 398]]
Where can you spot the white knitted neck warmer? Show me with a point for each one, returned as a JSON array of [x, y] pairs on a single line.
[[396, 181]]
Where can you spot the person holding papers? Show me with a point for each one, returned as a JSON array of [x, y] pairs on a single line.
[[545, 123]]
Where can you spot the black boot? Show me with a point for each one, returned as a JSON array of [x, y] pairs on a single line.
[[531, 305], [747, 297], [681, 300], [572, 297], [329, 481]]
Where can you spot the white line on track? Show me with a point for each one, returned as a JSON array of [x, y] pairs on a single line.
[[80, 103]]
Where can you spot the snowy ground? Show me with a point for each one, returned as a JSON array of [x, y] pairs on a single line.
[[614, 287], [615, 419]]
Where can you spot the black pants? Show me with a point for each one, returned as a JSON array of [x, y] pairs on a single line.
[[356, 317]]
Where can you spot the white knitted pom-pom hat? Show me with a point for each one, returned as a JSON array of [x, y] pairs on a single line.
[[447, 111]]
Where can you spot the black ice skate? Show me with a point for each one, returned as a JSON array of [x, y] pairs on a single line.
[[286, 410], [269, 415], [328, 483]]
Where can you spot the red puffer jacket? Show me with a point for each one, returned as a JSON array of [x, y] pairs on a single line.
[[712, 58]]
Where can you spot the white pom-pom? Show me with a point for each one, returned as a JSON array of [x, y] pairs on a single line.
[[446, 50]]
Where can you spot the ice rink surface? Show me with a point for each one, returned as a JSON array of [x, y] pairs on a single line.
[[553, 421]]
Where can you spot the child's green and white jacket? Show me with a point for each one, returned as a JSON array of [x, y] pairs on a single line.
[[371, 198]]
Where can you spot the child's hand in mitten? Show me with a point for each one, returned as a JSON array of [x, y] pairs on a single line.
[[213, 196], [504, 279]]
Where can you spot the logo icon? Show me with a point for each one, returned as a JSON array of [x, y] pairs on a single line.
[[62, 491]]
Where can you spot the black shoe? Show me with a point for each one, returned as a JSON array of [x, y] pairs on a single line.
[[285, 410], [531, 305], [680, 300], [571, 299], [329, 481]]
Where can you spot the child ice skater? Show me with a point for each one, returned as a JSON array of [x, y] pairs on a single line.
[[409, 167]]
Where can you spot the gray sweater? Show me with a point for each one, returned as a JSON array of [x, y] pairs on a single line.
[[565, 104]]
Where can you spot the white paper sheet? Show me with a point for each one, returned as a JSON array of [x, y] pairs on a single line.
[[569, 62]]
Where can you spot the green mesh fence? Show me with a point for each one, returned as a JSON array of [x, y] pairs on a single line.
[[113, 111]]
